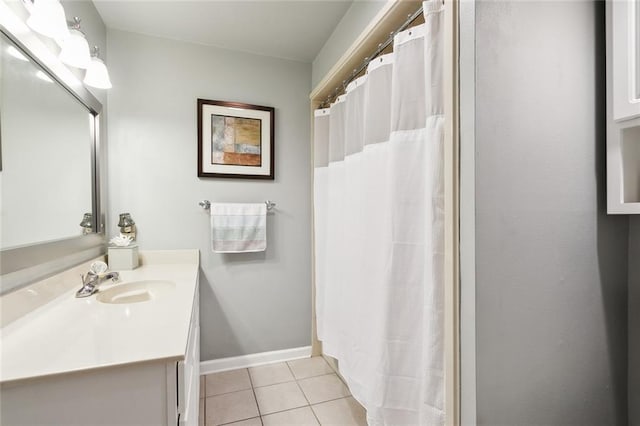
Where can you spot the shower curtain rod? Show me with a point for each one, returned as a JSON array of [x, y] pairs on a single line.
[[412, 17]]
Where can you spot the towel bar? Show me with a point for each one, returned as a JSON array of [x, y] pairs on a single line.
[[206, 204]]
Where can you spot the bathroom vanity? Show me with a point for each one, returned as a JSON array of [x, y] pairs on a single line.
[[126, 355]]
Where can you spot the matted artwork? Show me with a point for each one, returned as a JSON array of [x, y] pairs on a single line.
[[235, 140]]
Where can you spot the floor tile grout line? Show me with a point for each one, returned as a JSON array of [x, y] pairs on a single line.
[[334, 399], [303, 406], [243, 420], [288, 409], [304, 395], [225, 393], [236, 391], [277, 382], [291, 370], [295, 379], [255, 397], [319, 375], [283, 383], [284, 411], [298, 385], [274, 384], [322, 402], [240, 420], [337, 399], [341, 381], [204, 395]]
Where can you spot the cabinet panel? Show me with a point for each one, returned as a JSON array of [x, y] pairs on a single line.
[[189, 389], [630, 153], [129, 395], [623, 167], [623, 107], [624, 55]]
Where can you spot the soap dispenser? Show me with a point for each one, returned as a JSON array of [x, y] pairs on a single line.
[[122, 253], [127, 226]]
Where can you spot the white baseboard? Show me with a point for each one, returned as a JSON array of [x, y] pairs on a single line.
[[253, 360]]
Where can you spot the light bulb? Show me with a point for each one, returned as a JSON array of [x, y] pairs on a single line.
[[97, 75], [75, 50], [47, 18]]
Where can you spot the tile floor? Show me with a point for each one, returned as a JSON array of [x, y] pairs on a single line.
[[297, 393]]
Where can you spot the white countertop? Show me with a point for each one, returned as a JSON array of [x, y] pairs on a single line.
[[70, 334]]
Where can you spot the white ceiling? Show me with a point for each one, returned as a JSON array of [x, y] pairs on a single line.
[[294, 29]]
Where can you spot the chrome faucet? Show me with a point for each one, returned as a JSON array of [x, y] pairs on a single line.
[[91, 281]]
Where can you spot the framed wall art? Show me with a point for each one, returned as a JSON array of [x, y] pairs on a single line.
[[235, 140]]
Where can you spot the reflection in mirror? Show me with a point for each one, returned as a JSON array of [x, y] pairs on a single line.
[[46, 143], [49, 179]]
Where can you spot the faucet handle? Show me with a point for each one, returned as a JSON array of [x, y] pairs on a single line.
[[98, 268]]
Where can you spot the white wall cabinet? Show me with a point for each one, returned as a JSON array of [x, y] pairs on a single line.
[[154, 392], [623, 106]]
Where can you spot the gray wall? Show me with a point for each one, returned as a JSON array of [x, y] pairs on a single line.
[[346, 32], [250, 303], [551, 265], [96, 34], [634, 320]]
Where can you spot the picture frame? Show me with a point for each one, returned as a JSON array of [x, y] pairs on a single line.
[[235, 140]]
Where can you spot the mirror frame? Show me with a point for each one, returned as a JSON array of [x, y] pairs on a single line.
[[26, 264]]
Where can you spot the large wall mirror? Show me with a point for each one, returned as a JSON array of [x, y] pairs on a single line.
[[49, 211]]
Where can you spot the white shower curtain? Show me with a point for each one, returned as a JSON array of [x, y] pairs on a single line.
[[379, 230]]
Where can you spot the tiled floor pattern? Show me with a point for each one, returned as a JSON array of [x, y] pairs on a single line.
[[303, 392]]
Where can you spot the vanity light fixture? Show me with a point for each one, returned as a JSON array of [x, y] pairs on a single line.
[[97, 75], [75, 49], [47, 18]]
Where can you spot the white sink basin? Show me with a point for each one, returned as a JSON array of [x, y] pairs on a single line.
[[135, 292]]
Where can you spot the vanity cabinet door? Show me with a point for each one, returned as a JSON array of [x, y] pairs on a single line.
[[128, 395], [623, 106], [624, 58], [189, 373]]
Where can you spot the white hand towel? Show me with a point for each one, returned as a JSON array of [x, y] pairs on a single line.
[[238, 227]]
